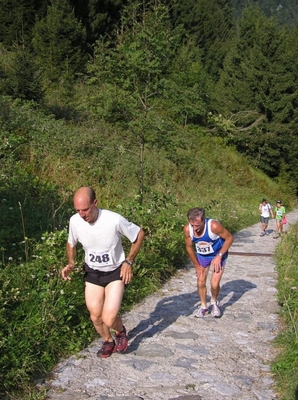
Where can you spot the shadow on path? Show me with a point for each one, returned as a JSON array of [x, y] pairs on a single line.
[[166, 312], [238, 287], [169, 309]]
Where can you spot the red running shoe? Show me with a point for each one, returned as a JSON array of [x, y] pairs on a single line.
[[108, 348], [121, 341]]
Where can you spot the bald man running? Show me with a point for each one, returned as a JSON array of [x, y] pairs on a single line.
[[107, 270]]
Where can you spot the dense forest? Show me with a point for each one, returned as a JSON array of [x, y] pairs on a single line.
[[227, 66], [160, 105]]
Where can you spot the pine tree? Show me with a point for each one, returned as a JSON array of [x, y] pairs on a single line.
[[60, 42], [139, 60], [98, 17], [17, 19], [258, 90], [149, 69], [145, 83], [209, 23], [213, 32], [286, 106], [20, 77]]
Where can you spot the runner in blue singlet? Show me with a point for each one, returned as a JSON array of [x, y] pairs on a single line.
[[207, 243]]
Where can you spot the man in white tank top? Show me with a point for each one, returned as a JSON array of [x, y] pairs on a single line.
[[107, 270], [265, 211], [207, 243]]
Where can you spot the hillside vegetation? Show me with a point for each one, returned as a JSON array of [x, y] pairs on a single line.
[[152, 185], [285, 366], [49, 159]]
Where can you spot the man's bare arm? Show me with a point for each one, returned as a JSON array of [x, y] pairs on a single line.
[[71, 256]]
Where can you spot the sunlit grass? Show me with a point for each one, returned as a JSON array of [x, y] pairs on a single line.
[[285, 367]]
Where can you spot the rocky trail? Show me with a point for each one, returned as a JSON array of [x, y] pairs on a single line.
[[173, 355]]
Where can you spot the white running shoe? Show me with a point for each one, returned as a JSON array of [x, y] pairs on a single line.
[[215, 310], [201, 312]]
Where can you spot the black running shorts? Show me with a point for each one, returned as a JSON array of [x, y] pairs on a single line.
[[101, 278]]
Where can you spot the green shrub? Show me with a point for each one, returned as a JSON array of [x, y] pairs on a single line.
[[39, 313], [285, 366]]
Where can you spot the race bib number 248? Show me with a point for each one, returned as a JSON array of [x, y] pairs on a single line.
[[99, 259]]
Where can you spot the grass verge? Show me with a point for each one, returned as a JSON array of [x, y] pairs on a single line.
[[285, 366]]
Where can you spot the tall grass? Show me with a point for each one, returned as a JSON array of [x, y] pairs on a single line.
[[285, 366]]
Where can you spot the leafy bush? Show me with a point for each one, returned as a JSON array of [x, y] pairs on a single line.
[[29, 207], [285, 367], [39, 313]]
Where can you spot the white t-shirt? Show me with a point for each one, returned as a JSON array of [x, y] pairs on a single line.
[[265, 210], [102, 240]]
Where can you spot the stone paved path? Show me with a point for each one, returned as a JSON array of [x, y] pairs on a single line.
[[173, 355]]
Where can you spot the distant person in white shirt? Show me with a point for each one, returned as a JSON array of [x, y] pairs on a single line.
[[265, 210]]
